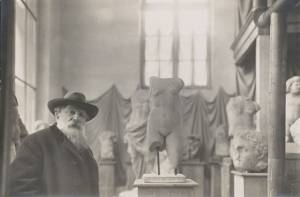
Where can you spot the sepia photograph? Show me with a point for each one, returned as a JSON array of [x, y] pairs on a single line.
[[150, 98]]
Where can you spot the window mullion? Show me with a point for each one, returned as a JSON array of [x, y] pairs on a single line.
[[193, 59], [142, 45], [158, 52], [175, 54]]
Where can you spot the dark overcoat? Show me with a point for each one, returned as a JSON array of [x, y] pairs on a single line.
[[48, 164]]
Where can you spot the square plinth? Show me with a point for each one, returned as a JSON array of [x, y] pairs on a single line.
[[250, 184], [194, 169], [185, 189], [107, 173]]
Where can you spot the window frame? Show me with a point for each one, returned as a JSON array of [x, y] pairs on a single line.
[[28, 64], [173, 6]]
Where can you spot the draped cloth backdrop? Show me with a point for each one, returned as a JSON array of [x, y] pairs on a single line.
[[245, 72], [246, 76], [293, 57], [200, 117]]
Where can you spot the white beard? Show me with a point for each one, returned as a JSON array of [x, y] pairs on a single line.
[[76, 136]]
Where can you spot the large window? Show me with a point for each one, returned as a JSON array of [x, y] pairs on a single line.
[[175, 40], [25, 60]]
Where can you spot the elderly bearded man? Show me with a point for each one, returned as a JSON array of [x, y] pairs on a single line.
[[57, 161]]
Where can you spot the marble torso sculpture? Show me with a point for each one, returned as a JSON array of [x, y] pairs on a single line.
[[249, 151], [292, 104], [142, 162], [241, 111], [107, 140], [164, 122]]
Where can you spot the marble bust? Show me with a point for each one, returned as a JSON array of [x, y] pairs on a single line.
[[192, 148], [249, 151], [221, 141], [292, 104], [107, 140]]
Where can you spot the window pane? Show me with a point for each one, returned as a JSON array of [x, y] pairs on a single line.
[[188, 24], [20, 94], [165, 48], [30, 108], [151, 69], [185, 51], [185, 72], [166, 69], [200, 47], [158, 21], [151, 52], [200, 74], [31, 51], [20, 40]]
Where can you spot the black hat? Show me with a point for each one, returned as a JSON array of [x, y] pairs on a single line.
[[76, 99]]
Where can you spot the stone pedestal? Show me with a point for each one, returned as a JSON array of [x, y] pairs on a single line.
[[226, 178], [292, 170], [194, 169], [250, 184], [107, 178], [166, 189], [215, 178]]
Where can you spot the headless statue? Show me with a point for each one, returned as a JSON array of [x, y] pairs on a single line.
[[240, 112], [164, 122], [142, 161]]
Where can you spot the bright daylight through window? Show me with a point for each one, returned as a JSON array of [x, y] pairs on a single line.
[[175, 40]]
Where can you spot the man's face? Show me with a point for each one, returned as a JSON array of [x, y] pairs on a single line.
[[71, 117], [243, 154]]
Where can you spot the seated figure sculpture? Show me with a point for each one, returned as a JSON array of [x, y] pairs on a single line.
[[249, 151], [141, 160], [292, 105], [164, 122], [240, 112]]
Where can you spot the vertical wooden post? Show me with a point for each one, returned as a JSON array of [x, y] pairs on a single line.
[[6, 86], [262, 74], [276, 141]]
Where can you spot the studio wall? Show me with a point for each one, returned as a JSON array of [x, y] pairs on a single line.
[[94, 44]]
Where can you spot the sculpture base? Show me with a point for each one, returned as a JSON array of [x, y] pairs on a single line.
[[165, 189], [250, 184], [215, 177], [226, 178], [107, 173], [292, 175], [154, 178], [194, 169]]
